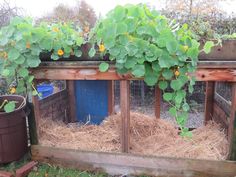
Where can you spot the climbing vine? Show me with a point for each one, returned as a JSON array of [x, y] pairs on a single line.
[[145, 43], [21, 43]]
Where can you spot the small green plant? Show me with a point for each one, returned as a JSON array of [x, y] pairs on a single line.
[[145, 43], [21, 43]]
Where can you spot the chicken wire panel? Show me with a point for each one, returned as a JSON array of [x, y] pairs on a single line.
[[224, 89], [141, 97]]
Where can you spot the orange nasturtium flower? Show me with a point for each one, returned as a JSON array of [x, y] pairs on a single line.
[[60, 52], [86, 29], [27, 45], [55, 29], [5, 55], [101, 48], [12, 90], [177, 73]]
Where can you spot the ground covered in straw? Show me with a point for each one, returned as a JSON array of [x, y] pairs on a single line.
[[149, 136]]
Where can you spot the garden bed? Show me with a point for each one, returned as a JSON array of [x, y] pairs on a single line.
[[149, 136]]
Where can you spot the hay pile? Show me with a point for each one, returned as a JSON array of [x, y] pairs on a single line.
[[149, 136]]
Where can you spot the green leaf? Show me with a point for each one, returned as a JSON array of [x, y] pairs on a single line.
[[167, 74], [163, 85], [171, 46], [119, 13], [79, 41], [207, 46], [138, 70], [121, 28], [131, 49], [185, 107], [180, 95], [6, 72], [92, 52], [150, 80], [177, 84], [55, 56], [10, 106], [33, 62], [23, 72], [168, 96], [46, 44], [78, 53], [173, 111], [13, 54], [130, 62], [103, 67]]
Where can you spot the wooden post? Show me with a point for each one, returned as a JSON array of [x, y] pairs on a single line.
[[157, 102], [36, 116], [232, 125], [32, 125], [125, 114], [111, 99], [70, 86], [209, 101]]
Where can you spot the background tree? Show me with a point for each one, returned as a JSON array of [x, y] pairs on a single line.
[[6, 13], [82, 14], [194, 7]]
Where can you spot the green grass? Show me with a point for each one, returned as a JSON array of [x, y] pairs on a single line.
[[47, 170]]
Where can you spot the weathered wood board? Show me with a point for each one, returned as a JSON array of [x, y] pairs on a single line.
[[123, 164]]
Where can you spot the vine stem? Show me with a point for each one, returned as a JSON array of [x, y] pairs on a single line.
[[3, 104]]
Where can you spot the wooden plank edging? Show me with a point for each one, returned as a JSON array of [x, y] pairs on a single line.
[[119, 163]]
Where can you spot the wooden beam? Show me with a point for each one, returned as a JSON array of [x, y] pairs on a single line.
[[209, 101], [157, 102], [232, 125], [85, 73], [125, 114], [226, 51], [70, 86], [111, 98], [129, 164]]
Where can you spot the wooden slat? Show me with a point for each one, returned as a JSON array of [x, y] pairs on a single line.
[[225, 52], [125, 114], [157, 102], [217, 64], [95, 74], [220, 116], [232, 125], [111, 99], [209, 101], [70, 86], [119, 163]]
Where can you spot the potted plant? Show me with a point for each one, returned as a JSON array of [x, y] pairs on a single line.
[[146, 44]]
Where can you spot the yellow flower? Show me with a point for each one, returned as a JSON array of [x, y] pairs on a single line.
[[101, 48], [55, 29], [177, 73], [27, 45], [185, 48], [5, 55], [12, 90], [60, 52]]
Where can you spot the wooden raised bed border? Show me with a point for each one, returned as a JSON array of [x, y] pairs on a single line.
[[120, 163], [209, 71]]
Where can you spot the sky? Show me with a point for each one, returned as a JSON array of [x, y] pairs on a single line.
[[38, 8]]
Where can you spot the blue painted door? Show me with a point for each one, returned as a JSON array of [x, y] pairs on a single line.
[[91, 101]]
